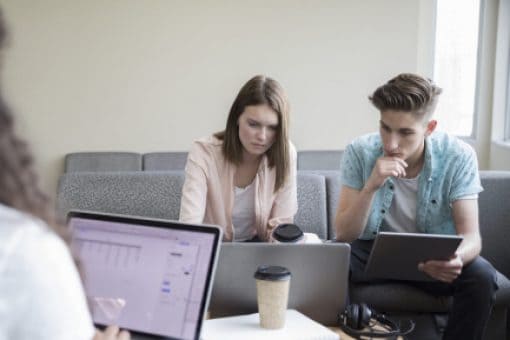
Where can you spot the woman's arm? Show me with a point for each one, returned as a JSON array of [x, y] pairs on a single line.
[[194, 193]]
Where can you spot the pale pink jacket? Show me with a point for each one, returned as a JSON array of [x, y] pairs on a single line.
[[208, 191]]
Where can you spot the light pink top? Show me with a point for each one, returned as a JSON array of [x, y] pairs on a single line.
[[208, 191]]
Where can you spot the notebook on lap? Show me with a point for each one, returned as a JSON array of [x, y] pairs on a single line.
[[149, 276], [318, 286]]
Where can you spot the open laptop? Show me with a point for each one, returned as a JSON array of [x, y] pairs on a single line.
[[318, 286], [396, 255], [149, 276]]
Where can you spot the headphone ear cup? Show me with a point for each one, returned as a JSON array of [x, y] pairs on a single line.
[[365, 316], [358, 316], [352, 319]]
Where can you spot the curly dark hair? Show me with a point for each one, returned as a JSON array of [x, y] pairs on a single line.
[[18, 179]]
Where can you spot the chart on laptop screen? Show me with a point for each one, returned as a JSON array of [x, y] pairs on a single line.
[[143, 278]]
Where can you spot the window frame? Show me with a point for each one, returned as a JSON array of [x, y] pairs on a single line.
[[506, 135], [479, 70]]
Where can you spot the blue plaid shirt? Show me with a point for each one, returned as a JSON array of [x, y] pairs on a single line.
[[450, 172]]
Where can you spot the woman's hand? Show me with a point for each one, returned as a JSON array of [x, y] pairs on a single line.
[[112, 333], [445, 271]]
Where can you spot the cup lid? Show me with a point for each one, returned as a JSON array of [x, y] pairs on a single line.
[[288, 232], [272, 273]]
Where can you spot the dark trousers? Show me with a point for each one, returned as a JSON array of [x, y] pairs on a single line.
[[473, 292]]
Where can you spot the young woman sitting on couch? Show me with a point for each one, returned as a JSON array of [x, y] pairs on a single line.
[[244, 178]]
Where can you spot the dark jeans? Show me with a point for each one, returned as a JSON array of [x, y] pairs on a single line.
[[473, 292]]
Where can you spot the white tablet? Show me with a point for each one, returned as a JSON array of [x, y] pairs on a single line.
[[396, 255]]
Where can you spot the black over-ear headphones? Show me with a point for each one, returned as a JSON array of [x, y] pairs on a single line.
[[356, 317]]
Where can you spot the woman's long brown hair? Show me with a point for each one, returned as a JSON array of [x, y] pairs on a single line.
[[260, 90], [19, 188]]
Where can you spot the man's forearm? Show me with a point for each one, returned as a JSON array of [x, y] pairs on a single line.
[[465, 216], [351, 222], [470, 248]]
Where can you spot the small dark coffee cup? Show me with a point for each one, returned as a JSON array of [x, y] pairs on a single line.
[[288, 233]]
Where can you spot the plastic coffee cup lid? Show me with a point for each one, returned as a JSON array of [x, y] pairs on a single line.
[[287, 233], [272, 273]]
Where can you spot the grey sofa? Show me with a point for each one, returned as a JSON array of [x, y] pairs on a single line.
[[145, 192], [164, 161]]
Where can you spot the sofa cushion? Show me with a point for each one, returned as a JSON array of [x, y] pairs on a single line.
[[399, 297], [102, 161], [333, 186], [312, 214], [163, 161], [319, 159], [152, 194]]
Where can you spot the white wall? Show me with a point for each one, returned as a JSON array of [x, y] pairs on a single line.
[[152, 75]]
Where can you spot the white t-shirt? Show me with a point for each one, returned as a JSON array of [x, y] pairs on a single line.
[[243, 213], [41, 296], [401, 216]]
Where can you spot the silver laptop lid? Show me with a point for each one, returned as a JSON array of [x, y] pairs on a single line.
[[318, 286], [146, 275]]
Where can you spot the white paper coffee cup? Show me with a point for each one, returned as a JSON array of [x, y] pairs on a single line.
[[273, 283]]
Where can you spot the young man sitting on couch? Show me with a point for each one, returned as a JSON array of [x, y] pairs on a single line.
[[408, 178]]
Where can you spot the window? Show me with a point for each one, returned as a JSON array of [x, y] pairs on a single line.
[[455, 64]]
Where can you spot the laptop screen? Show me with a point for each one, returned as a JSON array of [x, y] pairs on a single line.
[[147, 276]]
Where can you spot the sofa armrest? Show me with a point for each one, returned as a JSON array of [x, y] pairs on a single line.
[[494, 210]]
